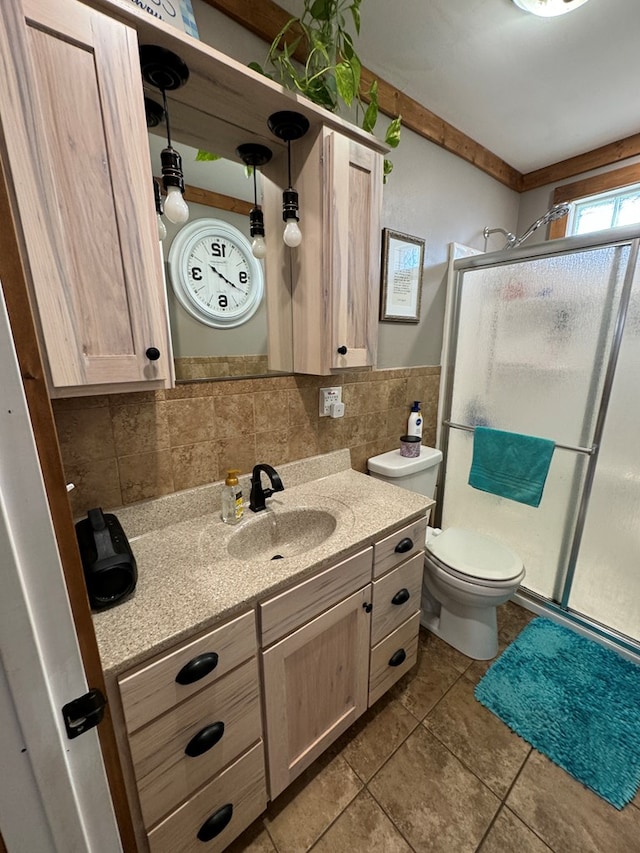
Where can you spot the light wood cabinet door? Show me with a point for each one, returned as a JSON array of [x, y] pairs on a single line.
[[335, 272], [76, 146], [353, 200], [315, 685]]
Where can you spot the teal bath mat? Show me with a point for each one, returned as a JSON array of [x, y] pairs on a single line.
[[575, 701]]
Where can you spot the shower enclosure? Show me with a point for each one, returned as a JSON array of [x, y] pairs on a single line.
[[545, 340]]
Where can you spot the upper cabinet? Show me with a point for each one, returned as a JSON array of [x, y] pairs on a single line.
[[77, 156], [336, 269], [75, 153]]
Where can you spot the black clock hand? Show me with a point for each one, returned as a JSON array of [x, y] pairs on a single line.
[[225, 279]]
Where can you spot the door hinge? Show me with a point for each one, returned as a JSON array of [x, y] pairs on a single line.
[[83, 713]]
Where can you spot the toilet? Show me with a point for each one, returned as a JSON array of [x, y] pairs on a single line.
[[466, 574]]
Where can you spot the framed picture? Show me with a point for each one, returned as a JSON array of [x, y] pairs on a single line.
[[402, 261]]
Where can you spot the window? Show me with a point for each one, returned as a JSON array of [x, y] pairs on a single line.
[[605, 210], [603, 201]]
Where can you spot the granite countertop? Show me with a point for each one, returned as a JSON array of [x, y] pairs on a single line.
[[187, 579]]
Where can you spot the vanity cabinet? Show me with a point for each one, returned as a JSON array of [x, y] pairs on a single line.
[[194, 727], [75, 151], [302, 667], [336, 270]]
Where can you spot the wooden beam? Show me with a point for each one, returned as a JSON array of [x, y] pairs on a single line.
[[603, 156], [266, 19]]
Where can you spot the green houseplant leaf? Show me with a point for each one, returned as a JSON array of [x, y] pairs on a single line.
[[332, 71]]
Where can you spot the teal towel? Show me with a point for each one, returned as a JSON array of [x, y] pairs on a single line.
[[511, 465]]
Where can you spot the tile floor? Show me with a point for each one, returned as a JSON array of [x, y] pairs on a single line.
[[429, 769]]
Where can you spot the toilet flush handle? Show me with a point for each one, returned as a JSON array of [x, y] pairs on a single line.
[[404, 545]]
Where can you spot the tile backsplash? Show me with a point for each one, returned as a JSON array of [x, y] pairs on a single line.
[[122, 448]]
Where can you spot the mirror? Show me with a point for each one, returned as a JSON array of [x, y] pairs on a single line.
[[200, 351]]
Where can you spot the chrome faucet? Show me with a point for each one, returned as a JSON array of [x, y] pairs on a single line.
[[258, 494]]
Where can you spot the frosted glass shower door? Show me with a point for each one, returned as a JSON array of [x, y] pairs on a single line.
[[606, 584], [532, 345]]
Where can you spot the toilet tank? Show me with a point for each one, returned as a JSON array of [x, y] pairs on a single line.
[[417, 474]]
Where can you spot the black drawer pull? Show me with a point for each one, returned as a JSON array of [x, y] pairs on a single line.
[[204, 739], [197, 668], [401, 596], [216, 823], [404, 545], [367, 607], [397, 658]]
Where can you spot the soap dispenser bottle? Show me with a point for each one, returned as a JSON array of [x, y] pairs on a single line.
[[232, 505], [414, 427]]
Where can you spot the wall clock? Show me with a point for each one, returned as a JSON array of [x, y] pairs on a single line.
[[213, 274]]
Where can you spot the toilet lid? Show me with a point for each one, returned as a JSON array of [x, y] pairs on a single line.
[[475, 555]]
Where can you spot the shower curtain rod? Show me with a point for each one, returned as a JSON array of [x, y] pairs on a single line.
[[588, 450]]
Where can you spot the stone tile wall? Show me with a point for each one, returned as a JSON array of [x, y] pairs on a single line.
[[122, 448]]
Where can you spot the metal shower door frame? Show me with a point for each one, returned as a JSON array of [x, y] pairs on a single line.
[[629, 236]]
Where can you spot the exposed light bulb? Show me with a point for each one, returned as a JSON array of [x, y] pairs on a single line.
[[162, 228], [292, 234], [175, 207], [259, 248]]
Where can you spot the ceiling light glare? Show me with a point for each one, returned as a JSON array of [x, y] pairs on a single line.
[[549, 8]]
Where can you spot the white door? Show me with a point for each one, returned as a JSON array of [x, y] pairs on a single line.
[[54, 794]]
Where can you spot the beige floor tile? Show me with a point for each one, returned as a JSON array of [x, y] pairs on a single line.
[[437, 804], [438, 667], [477, 737], [380, 731], [299, 816], [569, 817], [508, 833], [255, 839], [362, 828]]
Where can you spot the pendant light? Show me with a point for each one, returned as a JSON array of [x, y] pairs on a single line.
[[549, 8], [255, 155], [166, 71], [288, 126]]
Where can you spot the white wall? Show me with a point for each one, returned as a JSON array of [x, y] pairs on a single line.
[[431, 194]]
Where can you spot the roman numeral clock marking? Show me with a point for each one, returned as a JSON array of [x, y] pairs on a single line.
[[214, 275]]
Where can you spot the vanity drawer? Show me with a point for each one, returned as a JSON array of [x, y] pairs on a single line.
[[394, 656], [283, 613], [396, 548], [228, 804], [226, 715], [153, 689], [396, 596]]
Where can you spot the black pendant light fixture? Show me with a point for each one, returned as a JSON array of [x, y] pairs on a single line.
[[288, 126], [166, 71], [254, 155]]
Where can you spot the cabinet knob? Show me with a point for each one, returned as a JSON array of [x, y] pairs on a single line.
[[152, 353], [197, 668], [367, 607], [204, 739], [404, 545], [397, 658], [401, 596], [342, 350], [216, 823]]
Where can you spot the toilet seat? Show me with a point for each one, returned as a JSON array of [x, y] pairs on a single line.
[[474, 557]]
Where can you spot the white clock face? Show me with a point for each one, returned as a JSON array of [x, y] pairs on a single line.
[[214, 274]]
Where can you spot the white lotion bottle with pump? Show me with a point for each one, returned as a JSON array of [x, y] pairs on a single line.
[[232, 504], [414, 427]]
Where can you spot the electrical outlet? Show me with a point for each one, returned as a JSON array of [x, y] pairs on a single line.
[[329, 396]]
